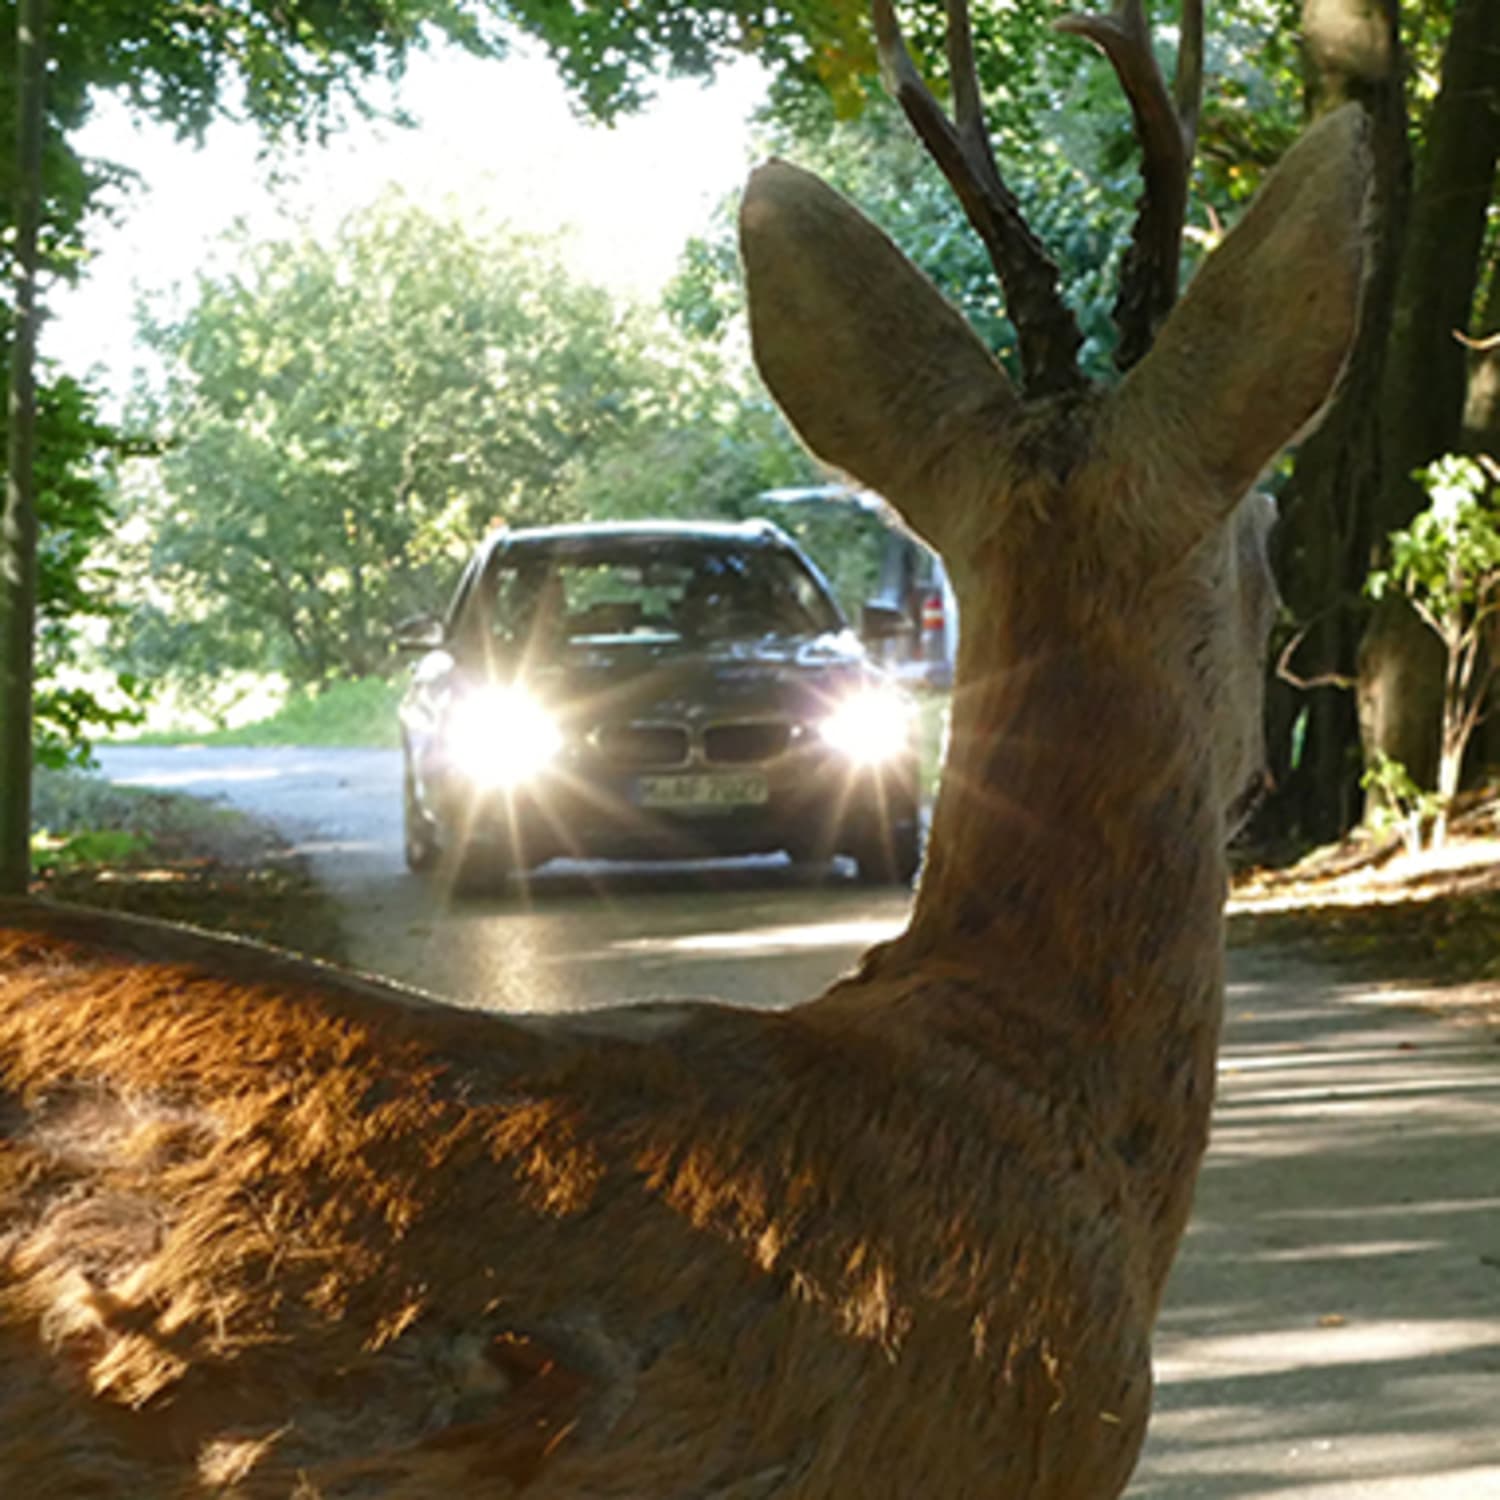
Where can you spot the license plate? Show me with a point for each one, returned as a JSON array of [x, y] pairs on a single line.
[[747, 789]]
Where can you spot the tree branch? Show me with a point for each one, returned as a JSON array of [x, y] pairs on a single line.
[[1045, 327], [1327, 679]]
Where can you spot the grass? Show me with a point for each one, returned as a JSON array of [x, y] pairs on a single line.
[[81, 819], [175, 857], [357, 713]]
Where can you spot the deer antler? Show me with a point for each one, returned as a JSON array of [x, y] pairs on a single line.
[[1045, 326], [1167, 128]]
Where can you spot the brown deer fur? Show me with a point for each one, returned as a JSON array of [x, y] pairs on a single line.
[[269, 1230]]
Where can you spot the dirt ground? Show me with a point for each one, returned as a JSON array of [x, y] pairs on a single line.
[[1427, 922], [240, 876]]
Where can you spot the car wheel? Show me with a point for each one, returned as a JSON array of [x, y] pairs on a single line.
[[482, 869], [419, 835], [892, 855], [809, 854]]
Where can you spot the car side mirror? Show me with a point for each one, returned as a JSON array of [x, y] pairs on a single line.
[[420, 633], [879, 621]]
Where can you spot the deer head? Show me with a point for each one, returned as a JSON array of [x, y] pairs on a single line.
[[1079, 524]]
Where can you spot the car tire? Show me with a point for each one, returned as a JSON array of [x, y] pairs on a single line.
[[483, 869], [891, 856], [419, 834], [810, 854]]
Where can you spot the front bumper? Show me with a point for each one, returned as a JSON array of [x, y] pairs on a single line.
[[810, 801]]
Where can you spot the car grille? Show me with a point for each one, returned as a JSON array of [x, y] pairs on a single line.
[[646, 746], [745, 743], [642, 745]]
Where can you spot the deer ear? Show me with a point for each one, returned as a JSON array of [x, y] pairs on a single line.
[[879, 375], [1250, 355]]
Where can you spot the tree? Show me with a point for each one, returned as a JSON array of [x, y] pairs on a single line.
[[342, 420], [874, 161], [291, 65], [18, 522], [1446, 563], [76, 588], [609, 54], [1346, 492], [1423, 391], [1403, 402]]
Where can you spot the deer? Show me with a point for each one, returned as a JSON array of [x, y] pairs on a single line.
[[274, 1229]]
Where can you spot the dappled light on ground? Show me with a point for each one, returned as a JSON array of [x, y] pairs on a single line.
[[789, 938], [1332, 1329], [1430, 918]]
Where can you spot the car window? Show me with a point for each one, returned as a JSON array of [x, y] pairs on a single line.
[[548, 600]]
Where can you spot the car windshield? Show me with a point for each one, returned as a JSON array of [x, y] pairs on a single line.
[[648, 590]]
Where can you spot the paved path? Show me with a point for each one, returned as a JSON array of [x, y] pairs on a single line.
[[752, 931], [1332, 1331]]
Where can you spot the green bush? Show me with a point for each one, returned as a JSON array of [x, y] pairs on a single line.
[[81, 820], [359, 712]]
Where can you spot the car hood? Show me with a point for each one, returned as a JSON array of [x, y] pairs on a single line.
[[792, 675]]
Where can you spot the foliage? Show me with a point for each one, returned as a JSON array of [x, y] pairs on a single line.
[[343, 420], [95, 846], [609, 54], [292, 66], [73, 586], [1447, 564], [1448, 560], [72, 807], [877, 163], [1398, 803], [1066, 146], [358, 712]]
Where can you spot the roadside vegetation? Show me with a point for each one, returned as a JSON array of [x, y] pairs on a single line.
[[363, 714], [360, 712], [177, 858], [1390, 913], [345, 409]]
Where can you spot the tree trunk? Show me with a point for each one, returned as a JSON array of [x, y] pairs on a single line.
[[1423, 394], [18, 567], [1482, 435], [1482, 397], [1323, 544]]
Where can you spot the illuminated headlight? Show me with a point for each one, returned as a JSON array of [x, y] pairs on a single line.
[[501, 737], [871, 727]]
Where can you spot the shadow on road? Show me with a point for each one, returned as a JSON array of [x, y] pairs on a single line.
[[1332, 1330], [568, 880]]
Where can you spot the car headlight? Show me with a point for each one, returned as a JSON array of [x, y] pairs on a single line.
[[872, 726], [501, 736]]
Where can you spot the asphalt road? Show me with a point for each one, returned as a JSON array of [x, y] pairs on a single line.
[[575, 935], [1332, 1330]]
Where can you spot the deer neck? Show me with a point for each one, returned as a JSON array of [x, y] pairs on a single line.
[[1070, 914], [1077, 814]]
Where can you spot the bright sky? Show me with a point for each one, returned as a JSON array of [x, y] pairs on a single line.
[[499, 135]]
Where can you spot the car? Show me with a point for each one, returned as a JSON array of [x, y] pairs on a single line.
[[911, 620], [920, 643], [651, 690]]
